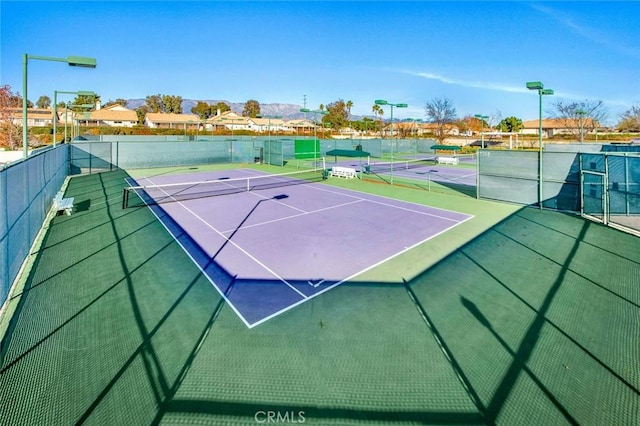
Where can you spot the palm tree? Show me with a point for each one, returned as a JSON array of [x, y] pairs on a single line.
[[377, 110], [349, 105]]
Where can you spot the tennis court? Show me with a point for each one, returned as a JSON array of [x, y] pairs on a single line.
[[420, 169], [271, 242], [516, 315]]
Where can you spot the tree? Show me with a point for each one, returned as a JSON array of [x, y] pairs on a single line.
[[337, 114], [220, 106], [154, 103], [442, 113], [43, 102], [84, 100], [141, 112], [580, 117], [10, 132], [164, 103], [172, 104], [202, 110], [349, 105], [251, 108], [378, 111], [630, 120], [510, 124], [119, 101]]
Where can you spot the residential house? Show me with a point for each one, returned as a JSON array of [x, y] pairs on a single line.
[[228, 120], [554, 126], [36, 117], [266, 125], [160, 120], [113, 116], [301, 126]]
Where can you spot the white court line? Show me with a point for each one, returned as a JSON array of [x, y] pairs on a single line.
[[398, 207], [352, 276], [222, 294], [295, 215], [208, 225]]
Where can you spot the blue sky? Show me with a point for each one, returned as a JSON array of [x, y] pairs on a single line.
[[478, 54]]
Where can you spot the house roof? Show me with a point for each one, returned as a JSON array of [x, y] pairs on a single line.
[[114, 114], [557, 123], [268, 121], [43, 113], [160, 117]]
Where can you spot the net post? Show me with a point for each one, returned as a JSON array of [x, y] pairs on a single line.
[[125, 197]]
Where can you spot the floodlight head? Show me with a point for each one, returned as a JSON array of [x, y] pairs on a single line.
[[323, 112], [381, 102], [401, 105], [546, 91], [535, 85], [580, 112], [86, 93], [305, 110], [80, 61]]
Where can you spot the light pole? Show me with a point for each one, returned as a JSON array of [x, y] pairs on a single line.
[[74, 61], [55, 108], [269, 117], [537, 85], [383, 102], [316, 144], [66, 109], [482, 118]]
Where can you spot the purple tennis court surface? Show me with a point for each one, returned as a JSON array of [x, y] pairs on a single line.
[[270, 250], [444, 174]]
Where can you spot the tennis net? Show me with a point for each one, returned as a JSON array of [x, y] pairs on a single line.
[[385, 167], [144, 195]]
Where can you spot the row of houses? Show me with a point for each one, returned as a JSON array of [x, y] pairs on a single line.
[[120, 116]]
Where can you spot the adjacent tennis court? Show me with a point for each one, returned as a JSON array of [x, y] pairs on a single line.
[[271, 242]]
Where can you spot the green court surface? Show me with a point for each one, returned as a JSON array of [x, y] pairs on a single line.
[[517, 316]]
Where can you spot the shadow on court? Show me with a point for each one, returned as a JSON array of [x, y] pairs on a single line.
[[534, 320]]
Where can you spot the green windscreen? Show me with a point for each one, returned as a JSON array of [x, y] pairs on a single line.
[[307, 148]]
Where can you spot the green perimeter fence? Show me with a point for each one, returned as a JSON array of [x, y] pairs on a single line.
[[27, 189], [601, 184]]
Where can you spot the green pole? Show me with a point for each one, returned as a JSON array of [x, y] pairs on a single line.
[[25, 124], [540, 148]]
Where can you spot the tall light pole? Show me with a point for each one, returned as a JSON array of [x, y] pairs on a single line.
[[383, 102], [66, 109], [537, 85], [269, 117], [74, 61], [55, 108], [481, 118], [315, 130]]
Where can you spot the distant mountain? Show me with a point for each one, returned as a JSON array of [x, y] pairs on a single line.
[[286, 111]]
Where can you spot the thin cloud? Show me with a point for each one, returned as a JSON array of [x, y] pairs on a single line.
[[586, 32], [465, 83]]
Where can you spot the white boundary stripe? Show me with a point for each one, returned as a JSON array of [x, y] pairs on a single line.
[[213, 284], [275, 314], [208, 225], [295, 215], [398, 207]]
